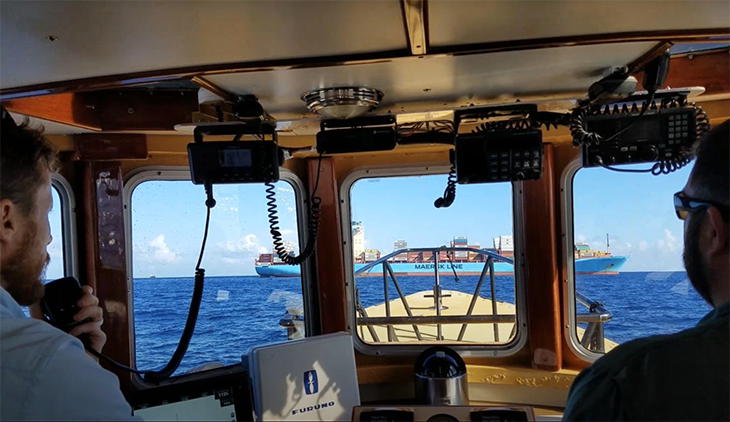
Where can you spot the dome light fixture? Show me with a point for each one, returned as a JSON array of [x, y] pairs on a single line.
[[342, 102]]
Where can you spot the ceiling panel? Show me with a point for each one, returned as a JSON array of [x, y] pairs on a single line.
[[443, 78], [467, 22], [96, 38]]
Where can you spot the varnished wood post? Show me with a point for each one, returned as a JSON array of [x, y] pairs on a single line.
[[329, 257], [102, 252], [541, 270], [105, 257]]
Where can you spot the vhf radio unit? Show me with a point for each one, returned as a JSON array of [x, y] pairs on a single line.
[[223, 162], [659, 135], [506, 150]]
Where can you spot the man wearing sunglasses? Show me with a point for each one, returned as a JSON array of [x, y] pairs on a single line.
[[683, 376]]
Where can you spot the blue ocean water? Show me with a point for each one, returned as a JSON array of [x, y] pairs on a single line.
[[248, 315]]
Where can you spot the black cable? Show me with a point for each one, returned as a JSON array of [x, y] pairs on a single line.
[[450, 192], [313, 226], [451, 261], [625, 170], [504, 125], [111, 361], [582, 137], [182, 347], [645, 107]]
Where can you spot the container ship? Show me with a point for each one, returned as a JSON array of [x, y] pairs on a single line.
[[464, 263]]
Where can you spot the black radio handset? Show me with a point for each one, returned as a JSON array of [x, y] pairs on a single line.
[[60, 303]]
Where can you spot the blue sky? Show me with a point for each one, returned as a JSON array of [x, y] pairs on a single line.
[[168, 216], [396, 208], [55, 249], [637, 212]]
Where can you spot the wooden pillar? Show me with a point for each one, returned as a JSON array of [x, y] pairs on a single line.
[[102, 253], [329, 257], [541, 270], [105, 263]]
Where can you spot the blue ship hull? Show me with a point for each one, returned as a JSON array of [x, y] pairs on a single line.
[[602, 265]]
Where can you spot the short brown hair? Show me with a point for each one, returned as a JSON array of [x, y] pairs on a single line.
[[711, 172], [25, 154]]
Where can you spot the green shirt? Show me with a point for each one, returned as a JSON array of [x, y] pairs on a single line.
[[682, 376]]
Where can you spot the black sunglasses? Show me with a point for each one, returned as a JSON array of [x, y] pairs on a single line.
[[683, 205]]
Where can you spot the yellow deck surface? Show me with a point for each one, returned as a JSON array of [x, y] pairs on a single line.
[[456, 304]]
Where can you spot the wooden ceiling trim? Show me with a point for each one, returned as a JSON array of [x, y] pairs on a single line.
[[73, 109], [709, 69], [142, 109], [112, 110], [650, 55]]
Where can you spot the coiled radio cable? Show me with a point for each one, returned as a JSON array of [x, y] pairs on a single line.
[[450, 191], [313, 224]]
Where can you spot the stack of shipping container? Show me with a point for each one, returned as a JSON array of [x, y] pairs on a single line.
[[460, 242]]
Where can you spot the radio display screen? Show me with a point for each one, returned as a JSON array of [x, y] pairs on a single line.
[[234, 158]]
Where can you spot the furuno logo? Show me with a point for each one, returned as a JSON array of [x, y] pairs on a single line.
[[313, 408], [311, 384]]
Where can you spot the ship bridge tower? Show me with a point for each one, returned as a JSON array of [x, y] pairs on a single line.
[[358, 239]]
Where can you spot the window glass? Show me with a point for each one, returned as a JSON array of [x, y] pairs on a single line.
[[397, 215], [628, 256], [55, 269], [249, 297]]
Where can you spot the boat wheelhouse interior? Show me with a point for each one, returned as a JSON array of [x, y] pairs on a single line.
[[370, 111]]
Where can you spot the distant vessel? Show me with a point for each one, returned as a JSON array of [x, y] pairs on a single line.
[[464, 263], [152, 276]]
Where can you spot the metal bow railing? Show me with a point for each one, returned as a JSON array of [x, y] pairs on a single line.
[[595, 318], [389, 321]]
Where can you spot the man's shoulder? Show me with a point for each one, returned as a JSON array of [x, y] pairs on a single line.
[[29, 344], [663, 349]]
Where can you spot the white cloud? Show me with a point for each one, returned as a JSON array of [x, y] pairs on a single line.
[[282, 189], [643, 246], [581, 238], [669, 243], [248, 243], [160, 250], [287, 232], [618, 248]]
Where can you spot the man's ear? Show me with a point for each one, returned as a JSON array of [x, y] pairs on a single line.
[[719, 236], [9, 223]]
